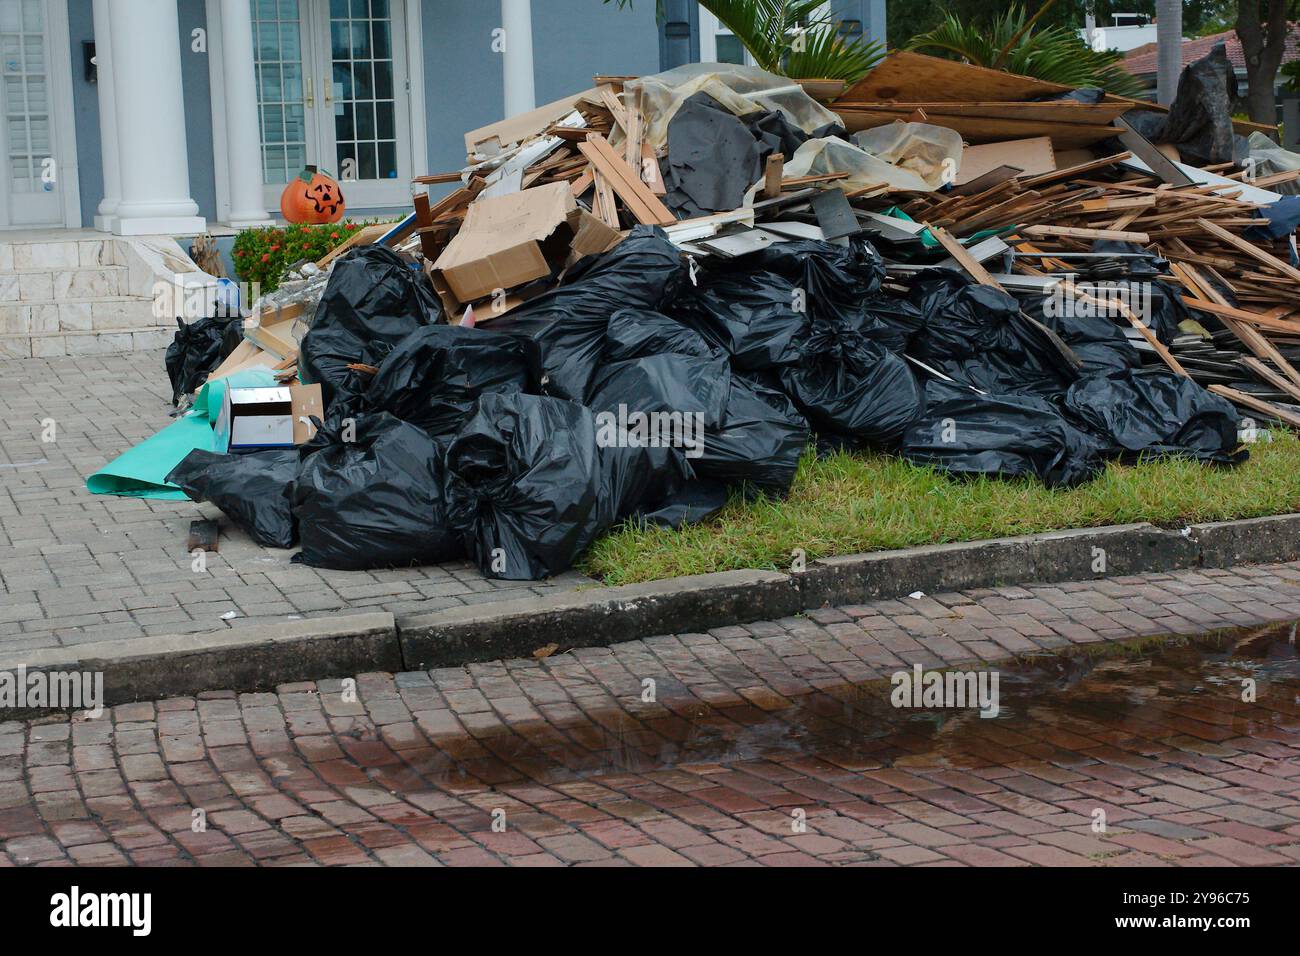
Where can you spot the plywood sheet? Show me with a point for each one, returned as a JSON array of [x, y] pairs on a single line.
[[904, 75]]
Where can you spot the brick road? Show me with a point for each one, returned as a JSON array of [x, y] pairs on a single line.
[[765, 744], [77, 567]]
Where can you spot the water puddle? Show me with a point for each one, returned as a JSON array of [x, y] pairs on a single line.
[[1102, 702]]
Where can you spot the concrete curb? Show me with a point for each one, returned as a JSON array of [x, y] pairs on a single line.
[[595, 617], [261, 657], [251, 658]]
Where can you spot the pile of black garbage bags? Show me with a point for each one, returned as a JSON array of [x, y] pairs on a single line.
[[644, 388]]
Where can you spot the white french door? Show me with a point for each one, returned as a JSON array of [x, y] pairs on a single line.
[[332, 92], [29, 191]]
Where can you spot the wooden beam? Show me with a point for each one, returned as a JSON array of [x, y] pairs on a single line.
[[772, 173]]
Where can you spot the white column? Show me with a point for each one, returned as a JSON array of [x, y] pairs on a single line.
[[243, 139], [517, 57], [107, 212], [150, 109]]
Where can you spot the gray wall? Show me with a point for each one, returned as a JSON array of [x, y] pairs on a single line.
[[198, 110], [573, 40]]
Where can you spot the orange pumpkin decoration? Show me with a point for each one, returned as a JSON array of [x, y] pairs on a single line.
[[313, 196]]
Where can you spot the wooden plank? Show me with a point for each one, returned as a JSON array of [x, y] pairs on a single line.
[[1249, 248], [1271, 377], [605, 206], [772, 172], [583, 182], [1031, 156], [641, 201], [650, 174], [1075, 232], [964, 258], [984, 129], [1256, 404]]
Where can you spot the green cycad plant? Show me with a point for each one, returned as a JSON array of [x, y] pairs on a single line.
[[793, 38], [1011, 42]]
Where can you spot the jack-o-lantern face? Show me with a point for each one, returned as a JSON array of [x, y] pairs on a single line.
[[313, 196]]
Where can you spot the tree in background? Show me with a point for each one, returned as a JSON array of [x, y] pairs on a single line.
[[1018, 42], [1262, 27], [793, 38]]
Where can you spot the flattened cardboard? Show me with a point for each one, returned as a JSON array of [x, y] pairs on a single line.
[[306, 402], [525, 125], [508, 241]]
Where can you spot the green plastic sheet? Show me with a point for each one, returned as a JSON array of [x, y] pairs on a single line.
[[141, 472]]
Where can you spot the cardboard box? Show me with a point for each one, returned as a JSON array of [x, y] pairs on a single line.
[[254, 419], [508, 241]]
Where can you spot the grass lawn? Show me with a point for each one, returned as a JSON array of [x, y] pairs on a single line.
[[847, 504]]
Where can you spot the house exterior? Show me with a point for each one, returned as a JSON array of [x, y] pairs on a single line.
[[1141, 62], [130, 124], [210, 106]]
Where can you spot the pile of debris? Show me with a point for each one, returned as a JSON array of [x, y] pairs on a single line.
[[641, 299]]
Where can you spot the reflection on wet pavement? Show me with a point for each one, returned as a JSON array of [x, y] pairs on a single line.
[[1175, 751]]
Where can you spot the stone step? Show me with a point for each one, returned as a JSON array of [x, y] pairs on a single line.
[[59, 285], [93, 342], [58, 253], [105, 314]]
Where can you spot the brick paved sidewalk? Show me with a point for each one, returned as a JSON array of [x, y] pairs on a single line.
[[77, 567], [754, 729]]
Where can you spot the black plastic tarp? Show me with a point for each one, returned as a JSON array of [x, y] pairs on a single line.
[[713, 158], [373, 300], [252, 490], [434, 375], [370, 495]]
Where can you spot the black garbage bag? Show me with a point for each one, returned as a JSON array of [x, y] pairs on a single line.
[[976, 335], [760, 441], [370, 495], [1093, 333], [758, 318], [713, 158], [197, 349], [434, 375], [687, 393], [846, 384], [636, 333], [1008, 436], [530, 487], [373, 300], [1199, 121], [835, 279], [890, 321], [1155, 412], [252, 490], [563, 331]]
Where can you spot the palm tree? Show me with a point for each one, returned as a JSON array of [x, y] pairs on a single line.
[[793, 38], [1011, 43]]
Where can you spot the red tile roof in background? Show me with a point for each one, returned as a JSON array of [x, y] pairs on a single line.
[[1142, 60]]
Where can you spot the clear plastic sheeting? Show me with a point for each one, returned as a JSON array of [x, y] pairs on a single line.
[[818, 157], [932, 153], [1268, 158], [741, 89]]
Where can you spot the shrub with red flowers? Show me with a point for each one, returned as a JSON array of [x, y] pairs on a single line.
[[263, 255]]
